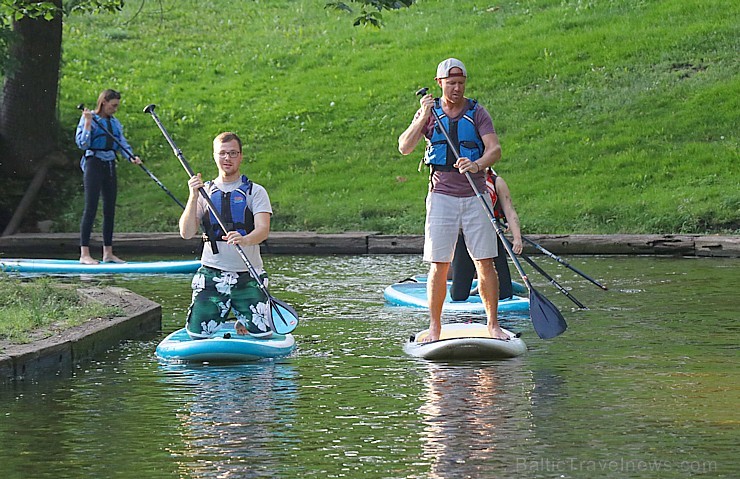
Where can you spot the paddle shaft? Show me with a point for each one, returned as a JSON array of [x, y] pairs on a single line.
[[563, 262], [178, 153], [552, 280], [130, 157]]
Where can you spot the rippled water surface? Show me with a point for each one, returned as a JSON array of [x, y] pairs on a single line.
[[644, 384]]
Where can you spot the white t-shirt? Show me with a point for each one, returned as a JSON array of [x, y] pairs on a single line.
[[228, 258]]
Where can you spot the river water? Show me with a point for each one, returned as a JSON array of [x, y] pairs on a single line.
[[645, 384]]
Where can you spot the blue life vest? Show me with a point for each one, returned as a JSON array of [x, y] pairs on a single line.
[[463, 134], [233, 209], [99, 140]]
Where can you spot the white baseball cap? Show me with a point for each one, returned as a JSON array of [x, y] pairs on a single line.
[[443, 69]]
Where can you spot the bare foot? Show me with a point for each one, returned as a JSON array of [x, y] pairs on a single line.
[[433, 335], [266, 335], [111, 258], [240, 329], [88, 260], [497, 333]]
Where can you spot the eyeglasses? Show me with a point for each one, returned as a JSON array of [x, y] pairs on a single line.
[[230, 154]]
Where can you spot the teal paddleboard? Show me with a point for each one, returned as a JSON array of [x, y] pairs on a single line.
[[225, 346], [70, 266]]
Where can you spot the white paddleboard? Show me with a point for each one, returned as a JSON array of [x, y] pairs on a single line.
[[465, 341]]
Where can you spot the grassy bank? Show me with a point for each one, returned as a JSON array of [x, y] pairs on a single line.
[[36, 309], [614, 116]]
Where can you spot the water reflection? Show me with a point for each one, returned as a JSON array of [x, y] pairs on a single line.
[[646, 376], [234, 417], [470, 413]]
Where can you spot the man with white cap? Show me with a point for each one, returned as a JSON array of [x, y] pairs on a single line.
[[452, 205]]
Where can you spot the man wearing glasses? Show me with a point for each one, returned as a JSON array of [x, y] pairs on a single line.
[[223, 283]]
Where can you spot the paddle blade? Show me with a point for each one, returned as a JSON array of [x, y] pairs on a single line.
[[546, 319], [284, 317]]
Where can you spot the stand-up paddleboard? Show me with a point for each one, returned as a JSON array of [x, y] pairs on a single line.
[[225, 346], [517, 288], [70, 266], [414, 295], [465, 341]]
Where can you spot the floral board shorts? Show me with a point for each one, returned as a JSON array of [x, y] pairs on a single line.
[[217, 293]]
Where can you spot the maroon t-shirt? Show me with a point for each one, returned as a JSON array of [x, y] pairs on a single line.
[[453, 183]]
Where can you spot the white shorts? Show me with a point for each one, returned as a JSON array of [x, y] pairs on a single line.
[[446, 216]]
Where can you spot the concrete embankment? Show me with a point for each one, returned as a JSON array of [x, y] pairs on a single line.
[[52, 245], [63, 350]]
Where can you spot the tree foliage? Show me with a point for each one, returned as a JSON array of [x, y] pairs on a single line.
[[370, 9], [14, 10]]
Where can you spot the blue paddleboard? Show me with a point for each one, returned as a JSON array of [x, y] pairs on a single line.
[[414, 295], [518, 288]]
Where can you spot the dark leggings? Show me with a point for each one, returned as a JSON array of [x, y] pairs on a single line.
[[463, 271], [99, 176]]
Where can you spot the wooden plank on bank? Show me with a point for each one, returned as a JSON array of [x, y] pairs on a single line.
[[388, 244], [721, 246], [617, 244], [281, 242], [66, 245]]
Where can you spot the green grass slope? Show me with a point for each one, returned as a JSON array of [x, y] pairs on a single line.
[[614, 116]]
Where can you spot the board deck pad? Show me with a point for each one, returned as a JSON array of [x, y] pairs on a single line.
[[465, 341]]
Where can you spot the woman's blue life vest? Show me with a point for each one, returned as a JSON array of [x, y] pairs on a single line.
[[234, 210], [99, 139], [463, 134]]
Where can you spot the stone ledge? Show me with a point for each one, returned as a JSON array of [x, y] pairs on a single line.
[[60, 353]]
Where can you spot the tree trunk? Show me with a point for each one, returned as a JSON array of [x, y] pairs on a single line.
[[28, 120]]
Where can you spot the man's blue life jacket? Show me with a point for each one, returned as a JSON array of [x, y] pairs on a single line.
[[463, 135], [233, 209]]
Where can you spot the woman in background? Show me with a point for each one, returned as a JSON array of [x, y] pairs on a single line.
[[94, 135]]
